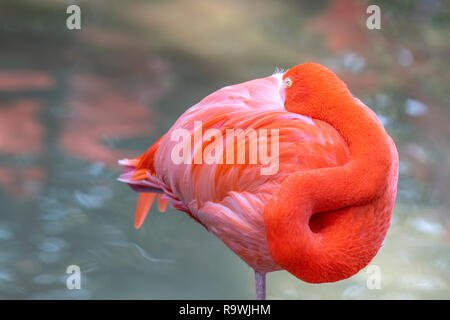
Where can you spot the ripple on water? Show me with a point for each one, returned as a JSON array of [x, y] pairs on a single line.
[[354, 62], [422, 282], [290, 293], [50, 249], [6, 275], [52, 244], [49, 257], [415, 108], [428, 226], [95, 169], [95, 198], [45, 279], [354, 291], [5, 232]]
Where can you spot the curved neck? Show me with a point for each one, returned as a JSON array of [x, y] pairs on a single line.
[[353, 203], [364, 177]]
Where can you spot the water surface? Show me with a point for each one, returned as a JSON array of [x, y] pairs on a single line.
[[73, 102]]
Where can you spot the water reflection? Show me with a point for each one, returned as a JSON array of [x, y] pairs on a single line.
[[72, 103], [24, 140], [22, 80], [99, 112]]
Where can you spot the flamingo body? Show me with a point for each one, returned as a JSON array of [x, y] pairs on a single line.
[[289, 219]]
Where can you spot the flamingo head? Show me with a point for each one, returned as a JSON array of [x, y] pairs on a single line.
[[313, 90]]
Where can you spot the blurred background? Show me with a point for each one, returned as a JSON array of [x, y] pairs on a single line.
[[73, 102]]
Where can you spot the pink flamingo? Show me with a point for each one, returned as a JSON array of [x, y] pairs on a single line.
[[322, 215]]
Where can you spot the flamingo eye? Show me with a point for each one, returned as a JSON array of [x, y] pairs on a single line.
[[288, 82]]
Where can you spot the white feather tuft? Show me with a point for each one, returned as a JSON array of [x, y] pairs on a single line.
[[278, 71]]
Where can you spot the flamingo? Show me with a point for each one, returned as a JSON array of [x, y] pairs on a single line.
[[322, 216]]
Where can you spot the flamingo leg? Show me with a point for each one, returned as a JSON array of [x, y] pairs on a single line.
[[260, 285]]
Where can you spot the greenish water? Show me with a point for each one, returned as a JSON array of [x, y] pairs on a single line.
[[73, 102]]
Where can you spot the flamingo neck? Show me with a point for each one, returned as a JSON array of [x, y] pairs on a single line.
[[364, 177], [326, 224]]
